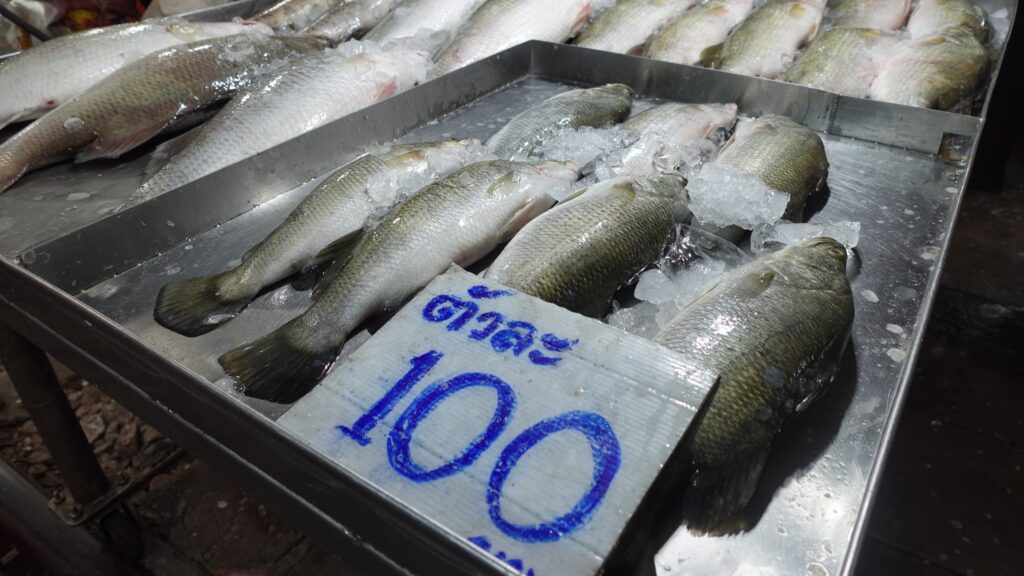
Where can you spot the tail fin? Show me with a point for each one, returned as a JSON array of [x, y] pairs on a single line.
[[274, 368], [710, 502], [193, 307], [8, 177]]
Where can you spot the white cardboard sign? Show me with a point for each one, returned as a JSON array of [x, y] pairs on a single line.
[[531, 431]]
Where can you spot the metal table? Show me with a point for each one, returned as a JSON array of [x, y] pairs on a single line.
[[900, 171]]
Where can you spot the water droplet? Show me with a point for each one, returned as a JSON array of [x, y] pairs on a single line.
[[76, 196], [896, 354], [869, 296], [894, 328]]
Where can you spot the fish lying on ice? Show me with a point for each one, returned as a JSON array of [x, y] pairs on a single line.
[[290, 16], [843, 60], [411, 16], [935, 16], [305, 94], [662, 137], [877, 14], [145, 97], [774, 330], [334, 210], [687, 39], [767, 41], [458, 219], [350, 18], [579, 253], [628, 24], [42, 78]]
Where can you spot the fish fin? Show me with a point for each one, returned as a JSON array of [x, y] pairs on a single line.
[[114, 145], [754, 284], [709, 502], [711, 56], [328, 263], [817, 378], [573, 195], [26, 114], [168, 149], [635, 50], [193, 307], [275, 369], [338, 250], [388, 89], [534, 208], [499, 184]]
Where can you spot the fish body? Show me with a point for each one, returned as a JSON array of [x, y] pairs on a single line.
[[941, 71], [42, 78], [661, 134], [685, 40], [290, 16], [501, 24], [768, 40], [579, 253], [774, 330], [934, 16], [350, 18], [145, 97], [843, 60], [335, 210], [305, 94], [456, 220], [411, 16], [877, 14], [628, 24], [598, 106]]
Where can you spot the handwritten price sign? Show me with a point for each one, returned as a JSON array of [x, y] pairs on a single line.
[[531, 431]]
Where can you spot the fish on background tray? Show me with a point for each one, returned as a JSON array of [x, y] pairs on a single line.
[[290, 101], [39, 79], [456, 220], [935, 16], [843, 60], [350, 19], [598, 106], [774, 330], [291, 16], [144, 98], [628, 24], [687, 39], [335, 211], [579, 253], [877, 14], [501, 24], [411, 16], [766, 42]]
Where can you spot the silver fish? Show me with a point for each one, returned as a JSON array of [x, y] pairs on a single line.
[[598, 106], [767, 41], [333, 214], [145, 97], [685, 40], [628, 24], [456, 220], [295, 99], [843, 60], [578, 254], [411, 16], [935, 16], [350, 18], [662, 136], [290, 16], [774, 330], [501, 24], [42, 78], [877, 14]]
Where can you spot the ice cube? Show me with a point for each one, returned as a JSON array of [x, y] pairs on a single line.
[[766, 236], [722, 196], [579, 145], [638, 319]]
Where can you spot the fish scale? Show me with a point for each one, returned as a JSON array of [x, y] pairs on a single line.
[[456, 220], [413, 15], [578, 254], [142, 99], [350, 18], [934, 16], [684, 40], [768, 40], [843, 60], [774, 330], [878, 14], [626, 26], [304, 95], [288, 16]]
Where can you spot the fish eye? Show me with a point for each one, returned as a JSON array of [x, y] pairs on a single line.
[[836, 252]]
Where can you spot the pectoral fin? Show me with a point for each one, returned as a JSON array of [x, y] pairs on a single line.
[[521, 218], [114, 145]]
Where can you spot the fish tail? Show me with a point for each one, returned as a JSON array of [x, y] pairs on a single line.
[[194, 307], [10, 171], [275, 368], [709, 505]]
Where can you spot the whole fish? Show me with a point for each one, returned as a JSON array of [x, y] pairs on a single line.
[[412, 16], [768, 40], [941, 71], [843, 60], [350, 18], [142, 99], [598, 106], [878, 14], [290, 16], [42, 78], [774, 330], [458, 219], [660, 135], [784, 156], [334, 211], [501, 24], [685, 40], [934, 16], [296, 98], [579, 253], [628, 24]]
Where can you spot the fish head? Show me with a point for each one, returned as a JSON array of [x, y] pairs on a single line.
[[814, 262], [440, 157], [541, 182]]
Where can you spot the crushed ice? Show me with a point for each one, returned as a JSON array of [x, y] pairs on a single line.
[[767, 236]]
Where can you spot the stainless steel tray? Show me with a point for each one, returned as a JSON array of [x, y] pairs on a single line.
[[899, 171]]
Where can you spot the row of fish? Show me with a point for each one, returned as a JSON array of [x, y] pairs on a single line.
[[575, 247]]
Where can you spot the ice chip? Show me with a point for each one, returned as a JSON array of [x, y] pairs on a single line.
[[638, 319], [723, 196], [766, 236], [581, 145]]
